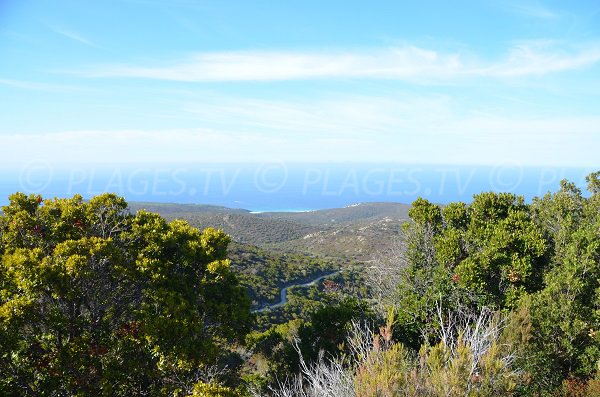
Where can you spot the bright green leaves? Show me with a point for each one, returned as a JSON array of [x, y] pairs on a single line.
[[487, 253], [491, 247], [450, 247], [489, 208], [214, 244], [63, 219], [21, 270], [96, 300], [456, 215], [593, 181], [508, 255], [423, 212], [202, 389], [21, 226], [565, 312], [21, 202]]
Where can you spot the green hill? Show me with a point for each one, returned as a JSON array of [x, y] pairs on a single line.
[[354, 232]]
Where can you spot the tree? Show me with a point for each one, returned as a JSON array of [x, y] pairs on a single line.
[[328, 328], [491, 249], [97, 301], [489, 253], [565, 313]]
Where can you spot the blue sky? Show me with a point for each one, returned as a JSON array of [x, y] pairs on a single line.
[[480, 82]]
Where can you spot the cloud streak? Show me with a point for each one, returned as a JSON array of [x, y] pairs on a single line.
[[338, 116], [473, 140], [38, 86], [72, 35], [534, 10], [407, 63], [539, 58]]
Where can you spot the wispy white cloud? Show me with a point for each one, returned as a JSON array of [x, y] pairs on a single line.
[[38, 86], [542, 57], [451, 140], [408, 63], [286, 65], [84, 146], [383, 118], [339, 115], [533, 9], [70, 34]]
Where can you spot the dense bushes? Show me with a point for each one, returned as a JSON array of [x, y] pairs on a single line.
[[96, 301], [475, 356], [265, 272], [535, 266], [494, 298]]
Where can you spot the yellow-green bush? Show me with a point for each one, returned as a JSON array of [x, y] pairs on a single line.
[[202, 389], [475, 361]]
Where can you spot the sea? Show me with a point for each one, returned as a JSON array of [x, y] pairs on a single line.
[[282, 186]]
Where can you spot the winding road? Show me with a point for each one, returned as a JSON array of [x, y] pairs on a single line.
[[283, 294]]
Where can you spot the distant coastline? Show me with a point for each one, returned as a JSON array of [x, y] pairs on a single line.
[[294, 187]]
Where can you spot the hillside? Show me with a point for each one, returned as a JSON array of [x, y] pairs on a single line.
[[359, 241], [352, 214], [354, 232], [265, 272]]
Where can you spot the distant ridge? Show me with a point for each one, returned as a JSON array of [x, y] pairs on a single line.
[[355, 232], [174, 208], [348, 214]]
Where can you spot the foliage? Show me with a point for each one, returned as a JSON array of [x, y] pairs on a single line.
[[471, 359], [202, 389], [565, 312], [97, 301], [304, 301], [574, 387], [328, 328], [285, 346], [539, 263], [264, 272], [489, 253]]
